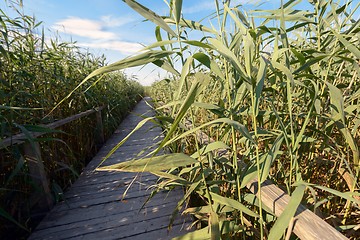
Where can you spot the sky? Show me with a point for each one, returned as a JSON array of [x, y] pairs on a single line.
[[108, 27], [112, 28]]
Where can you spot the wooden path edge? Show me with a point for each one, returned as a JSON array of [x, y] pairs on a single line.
[[94, 206]]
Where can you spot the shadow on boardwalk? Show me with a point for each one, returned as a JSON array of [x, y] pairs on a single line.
[[94, 208]]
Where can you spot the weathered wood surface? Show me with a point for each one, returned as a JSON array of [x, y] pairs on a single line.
[[32, 153], [20, 138], [306, 224], [37, 172], [94, 206]]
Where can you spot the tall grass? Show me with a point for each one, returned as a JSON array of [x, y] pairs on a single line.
[[37, 73], [279, 90]]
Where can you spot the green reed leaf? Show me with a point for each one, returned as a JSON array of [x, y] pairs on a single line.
[[232, 203], [201, 234], [149, 15], [158, 37], [260, 79], [345, 195], [161, 174], [184, 73], [283, 220], [152, 164], [337, 101], [191, 24], [223, 50], [348, 45], [158, 44], [272, 154], [238, 22], [197, 87], [209, 148], [204, 233], [238, 126], [166, 66], [310, 62], [214, 226], [212, 65], [177, 7]]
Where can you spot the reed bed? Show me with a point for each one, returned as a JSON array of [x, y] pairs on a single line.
[[279, 91], [38, 73]]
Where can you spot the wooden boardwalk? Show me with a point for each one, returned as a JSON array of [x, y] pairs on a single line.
[[94, 207]]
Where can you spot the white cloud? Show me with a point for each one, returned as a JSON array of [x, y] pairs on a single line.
[[123, 47], [84, 28], [98, 37], [111, 21]]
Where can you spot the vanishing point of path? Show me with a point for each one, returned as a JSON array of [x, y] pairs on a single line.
[[95, 208]]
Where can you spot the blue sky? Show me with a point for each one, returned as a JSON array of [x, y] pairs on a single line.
[[109, 27], [112, 28]]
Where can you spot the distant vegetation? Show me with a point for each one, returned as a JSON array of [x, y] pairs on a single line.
[[36, 73], [278, 93]]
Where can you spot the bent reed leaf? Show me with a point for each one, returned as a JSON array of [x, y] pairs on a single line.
[[152, 164], [149, 15]]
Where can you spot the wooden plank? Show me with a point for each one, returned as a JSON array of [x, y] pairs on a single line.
[[161, 234], [99, 133], [95, 214], [106, 186], [98, 177], [158, 234], [20, 138], [98, 199], [38, 175], [97, 191], [95, 206], [307, 225], [110, 230]]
